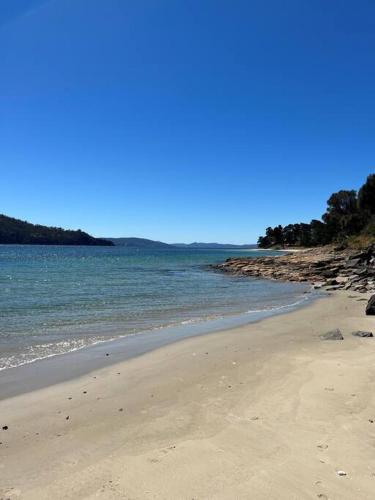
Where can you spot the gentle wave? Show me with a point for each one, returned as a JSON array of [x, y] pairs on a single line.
[[61, 299], [66, 347]]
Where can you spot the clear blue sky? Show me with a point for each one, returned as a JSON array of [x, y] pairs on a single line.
[[183, 120]]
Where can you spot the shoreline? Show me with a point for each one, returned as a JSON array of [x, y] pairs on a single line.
[[59, 368], [266, 408], [324, 267]]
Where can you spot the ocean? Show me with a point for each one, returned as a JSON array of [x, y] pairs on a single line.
[[56, 299]]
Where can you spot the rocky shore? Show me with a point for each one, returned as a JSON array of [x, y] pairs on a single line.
[[323, 267]]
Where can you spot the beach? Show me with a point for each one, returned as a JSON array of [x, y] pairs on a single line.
[[263, 411]]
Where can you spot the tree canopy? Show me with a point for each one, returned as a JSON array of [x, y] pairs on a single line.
[[348, 214]]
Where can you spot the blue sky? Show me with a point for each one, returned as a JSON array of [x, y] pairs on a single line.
[[183, 120]]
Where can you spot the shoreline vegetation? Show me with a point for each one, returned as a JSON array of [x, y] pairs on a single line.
[[349, 221], [335, 253]]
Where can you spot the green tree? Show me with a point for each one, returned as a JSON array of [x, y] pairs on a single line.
[[366, 197]]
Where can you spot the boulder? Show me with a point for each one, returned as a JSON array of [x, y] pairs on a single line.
[[332, 335], [319, 285], [362, 334], [370, 309], [341, 279]]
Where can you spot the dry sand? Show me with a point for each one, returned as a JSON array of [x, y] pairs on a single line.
[[265, 411]]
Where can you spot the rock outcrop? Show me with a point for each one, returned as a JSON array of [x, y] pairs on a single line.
[[323, 267], [370, 309]]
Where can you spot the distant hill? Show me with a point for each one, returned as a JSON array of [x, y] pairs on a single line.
[[15, 231], [145, 243], [215, 245], [138, 243]]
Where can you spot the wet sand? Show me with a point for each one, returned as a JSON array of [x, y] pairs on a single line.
[[263, 411]]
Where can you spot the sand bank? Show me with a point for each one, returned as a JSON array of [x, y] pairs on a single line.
[[264, 411]]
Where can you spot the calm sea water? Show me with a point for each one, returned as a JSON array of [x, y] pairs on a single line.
[[57, 299]]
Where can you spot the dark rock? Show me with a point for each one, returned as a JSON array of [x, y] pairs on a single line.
[[332, 335], [5, 427], [370, 308], [328, 274], [359, 333], [352, 262]]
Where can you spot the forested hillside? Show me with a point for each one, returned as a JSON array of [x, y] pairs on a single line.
[[15, 231]]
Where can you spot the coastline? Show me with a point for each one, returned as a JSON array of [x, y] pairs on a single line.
[[63, 367], [266, 408]]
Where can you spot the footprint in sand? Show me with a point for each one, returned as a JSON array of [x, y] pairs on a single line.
[[164, 451]]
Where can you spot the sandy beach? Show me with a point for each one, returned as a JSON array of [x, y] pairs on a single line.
[[264, 411]]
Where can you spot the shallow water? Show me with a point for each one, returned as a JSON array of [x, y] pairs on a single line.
[[58, 299]]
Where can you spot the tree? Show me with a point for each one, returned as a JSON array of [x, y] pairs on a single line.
[[319, 233], [346, 215], [366, 196], [342, 216]]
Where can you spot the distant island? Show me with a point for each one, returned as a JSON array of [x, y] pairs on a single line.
[[146, 243], [19, 232], [217, 246], [138, 243]]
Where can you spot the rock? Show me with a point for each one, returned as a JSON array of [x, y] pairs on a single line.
[[321, 266], [332, 335], [332, 282], [341, 473], [352, 262], [329, 274], [318, 285], [342, 279], [5, 427], [362, 334], [370, 309]]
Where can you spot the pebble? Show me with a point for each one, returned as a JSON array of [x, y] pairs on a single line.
[[341, 473]]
